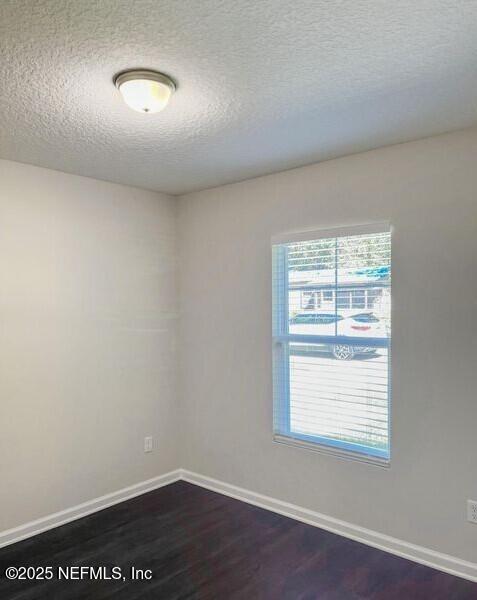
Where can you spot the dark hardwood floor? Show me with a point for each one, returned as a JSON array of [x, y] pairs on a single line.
[[202, 545]]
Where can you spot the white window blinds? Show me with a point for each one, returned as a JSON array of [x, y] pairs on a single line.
[[331, 341]]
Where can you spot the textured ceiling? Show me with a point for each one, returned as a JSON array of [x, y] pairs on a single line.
[[263, 85]]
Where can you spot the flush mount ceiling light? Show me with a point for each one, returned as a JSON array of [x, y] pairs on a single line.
[[145, 91]]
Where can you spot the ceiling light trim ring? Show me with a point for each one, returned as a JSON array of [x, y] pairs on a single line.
[[134, 74]]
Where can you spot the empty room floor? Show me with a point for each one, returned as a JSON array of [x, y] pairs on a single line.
[[200, 544]]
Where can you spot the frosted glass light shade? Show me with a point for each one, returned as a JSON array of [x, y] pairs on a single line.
[[145, 91]]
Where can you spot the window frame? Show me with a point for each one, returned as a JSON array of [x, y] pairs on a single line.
[[281, 340]]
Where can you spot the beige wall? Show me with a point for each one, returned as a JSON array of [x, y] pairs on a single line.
[[428, 191], [87, 339], [88, 358]]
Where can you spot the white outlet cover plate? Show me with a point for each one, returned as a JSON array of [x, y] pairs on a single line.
[[472, 511], [148, 444]]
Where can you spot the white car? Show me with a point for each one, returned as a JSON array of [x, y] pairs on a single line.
[[346, 323]]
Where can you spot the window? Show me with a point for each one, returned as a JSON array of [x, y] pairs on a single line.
[[343, 298], [311, 300], [373, 295], [332, 366], [358, 299]]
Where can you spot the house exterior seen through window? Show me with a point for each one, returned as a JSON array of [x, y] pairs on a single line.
[[331, 341]]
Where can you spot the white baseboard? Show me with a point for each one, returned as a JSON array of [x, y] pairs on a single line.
[[419, 554], [10, 536]]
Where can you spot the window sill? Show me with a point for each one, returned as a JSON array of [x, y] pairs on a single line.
[[337, 452]]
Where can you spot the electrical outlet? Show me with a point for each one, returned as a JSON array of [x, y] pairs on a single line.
[[472, 511], [148, 444]]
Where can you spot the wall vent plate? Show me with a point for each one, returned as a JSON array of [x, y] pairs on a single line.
[[472, 511]]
